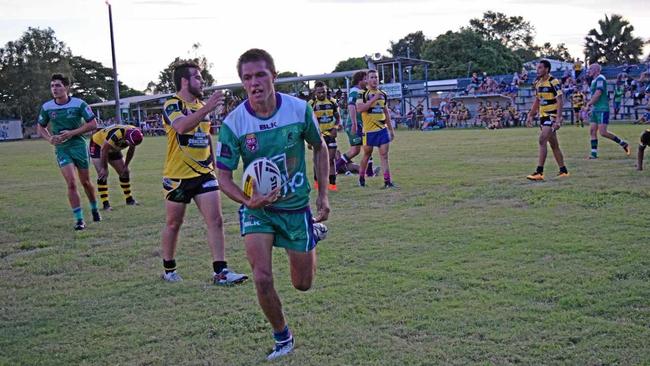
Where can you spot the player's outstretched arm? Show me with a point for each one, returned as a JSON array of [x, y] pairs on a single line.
[[188, 123], [130, 153], [352, 110], [532, 113], [560, 102], [321, 164]]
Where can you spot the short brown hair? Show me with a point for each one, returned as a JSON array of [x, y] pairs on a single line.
[[358, 76], [256, 54], [182, 70], [62, 78]]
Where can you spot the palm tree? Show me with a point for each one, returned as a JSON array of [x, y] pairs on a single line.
[[614, 44]]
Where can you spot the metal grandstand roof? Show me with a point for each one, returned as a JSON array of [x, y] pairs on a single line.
[[405, 61], [126, 102]]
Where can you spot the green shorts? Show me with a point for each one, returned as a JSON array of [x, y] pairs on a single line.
[[76, 154], [355, 140], [293, 229], [601, 118]]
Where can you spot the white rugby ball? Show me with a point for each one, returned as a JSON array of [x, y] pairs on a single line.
[[262, 172]]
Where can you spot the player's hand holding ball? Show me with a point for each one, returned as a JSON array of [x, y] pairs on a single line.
[[258, 200], [323, 208], [261, 183]]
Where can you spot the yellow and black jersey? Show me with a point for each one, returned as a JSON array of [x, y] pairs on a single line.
[[374, 119], [547, 90], [326, 112], [189, 155], [489, 110], [482, 111], [115, 136], [578, 100]]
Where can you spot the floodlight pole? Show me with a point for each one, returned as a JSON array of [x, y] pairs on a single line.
[[118, 115]]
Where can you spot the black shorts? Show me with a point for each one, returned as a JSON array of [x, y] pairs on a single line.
[[330, 142], [546, 121], [576, 110], [183, 190], [95, 152], [645, 138]]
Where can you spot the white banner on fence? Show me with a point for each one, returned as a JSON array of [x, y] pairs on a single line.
[[394, 90], [11, 130]]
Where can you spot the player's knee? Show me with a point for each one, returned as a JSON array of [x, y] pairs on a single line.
[[216, 222], [174, 224], [303, 284], [124, 176], [72, 185], [87, 183], [263, 281]]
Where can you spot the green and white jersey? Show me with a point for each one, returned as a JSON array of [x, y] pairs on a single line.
[[352, 100], [280, 138], [68, 116], [602, 104]]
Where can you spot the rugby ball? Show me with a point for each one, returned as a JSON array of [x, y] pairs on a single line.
[[264, 174]]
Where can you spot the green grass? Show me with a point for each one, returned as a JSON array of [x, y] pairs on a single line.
[[468, 263]]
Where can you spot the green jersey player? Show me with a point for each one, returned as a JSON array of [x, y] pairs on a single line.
[[275, 126], [69, 119], [600, 113]]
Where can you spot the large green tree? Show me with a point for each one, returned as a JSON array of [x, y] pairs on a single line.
[[613, 42], [512, 31], [558, 52], [26, 66], [411, 45], [455, 53], [93, 82], [353, 63]]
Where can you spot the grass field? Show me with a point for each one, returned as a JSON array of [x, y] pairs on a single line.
[[467, 263]]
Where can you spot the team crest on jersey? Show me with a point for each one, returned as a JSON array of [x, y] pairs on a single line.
[[52, 115], [251, 142]]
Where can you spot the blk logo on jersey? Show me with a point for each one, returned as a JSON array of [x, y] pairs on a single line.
[[268, 126], [52, 115], [251, 142]]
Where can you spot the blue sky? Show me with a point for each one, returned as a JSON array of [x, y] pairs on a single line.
[[306, 36]]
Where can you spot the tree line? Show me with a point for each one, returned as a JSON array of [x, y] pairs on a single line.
[[500, 44]]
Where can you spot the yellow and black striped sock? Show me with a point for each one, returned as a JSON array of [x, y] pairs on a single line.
[[102, 189], [125, 183]]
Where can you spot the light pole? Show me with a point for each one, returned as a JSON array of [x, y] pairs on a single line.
[[118, 116]]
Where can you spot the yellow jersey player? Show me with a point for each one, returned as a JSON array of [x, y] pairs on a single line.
[[645, 141], [377, 127], [189, 171], [329, 121], [548, 101], [105, 148], [577, 102]]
